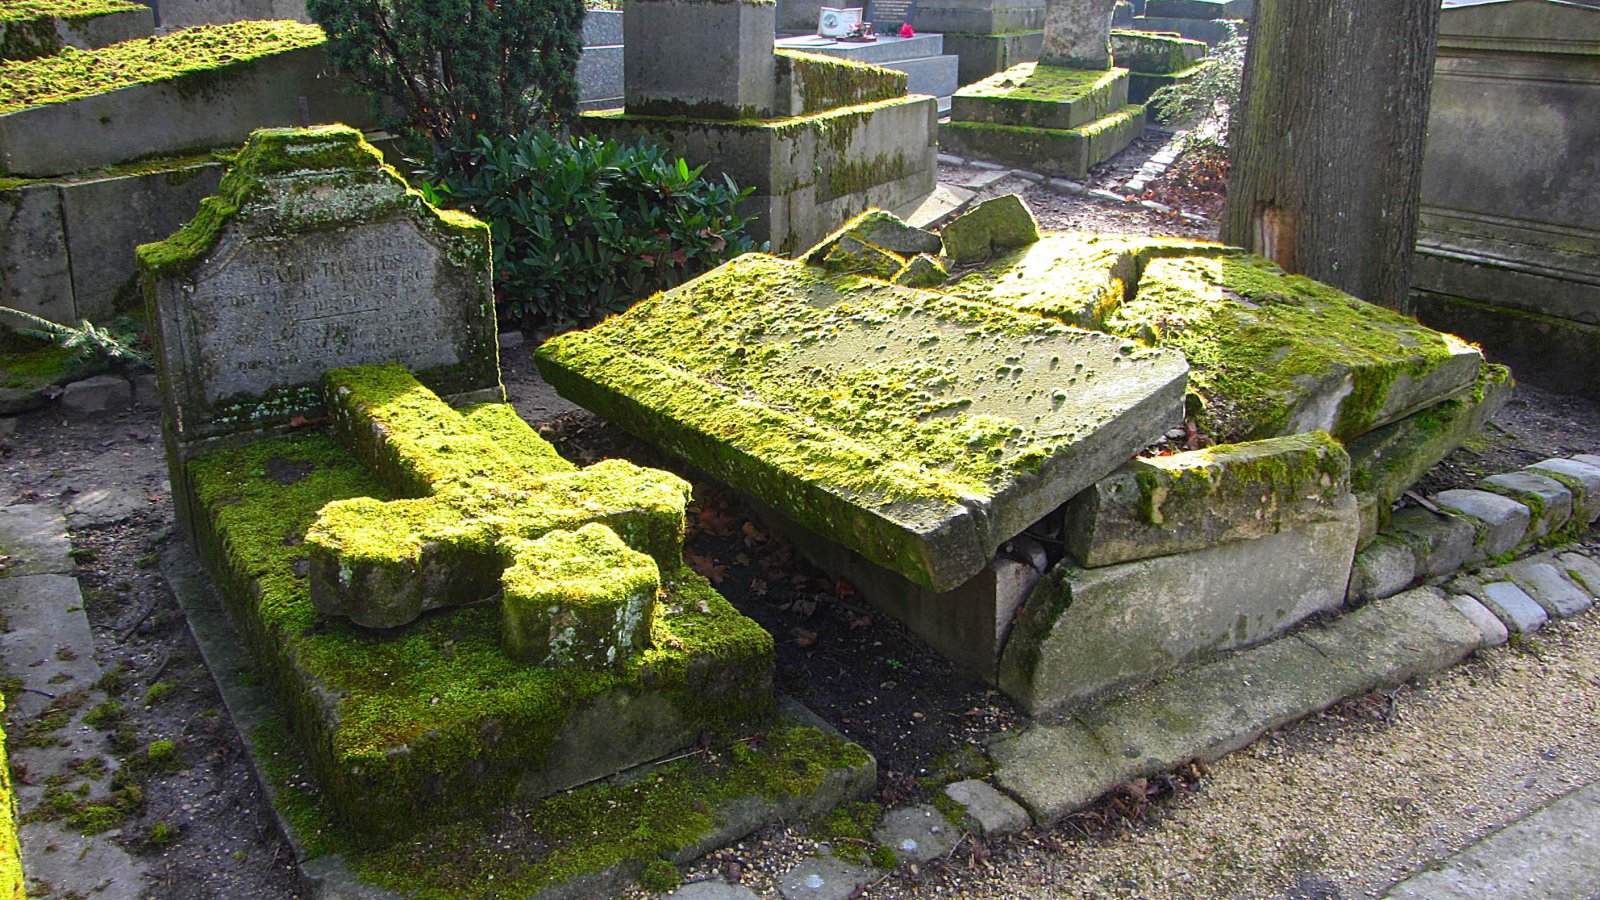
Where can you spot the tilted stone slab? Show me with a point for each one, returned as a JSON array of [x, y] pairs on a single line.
[[313, 255], [1157, 506], [1386, 461], [1155, 54], [208, 87], [919, 429], [476, 522], [1087, 632], [1281, 354]]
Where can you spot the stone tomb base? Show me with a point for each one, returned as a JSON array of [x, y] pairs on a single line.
[[1046, 119], [415, 726], [810, 172]]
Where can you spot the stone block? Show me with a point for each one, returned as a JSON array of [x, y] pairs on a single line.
[[880, 229], [813, 428], [315, 256], [1076, 33], [706, 59], [1520, 612], [34, 535], [175, 14], [1391, 458], [1033, 95], [139, 119], [1549, 501], [97, 396], [1580, 478], [983, 54], [1200, 9], [811, 174], [979, 17], [107, 218], [35, 273], [824, 878], [1442, 543], [33, 31], [1210, 31], [1549, 351], [916, 834], [1582, 570], [578, 598], [1157, 506], [1155, 54], [922, 270], [992, 227], [1382, 568], [1494, 631], [1543, 581], [1067, 153], [1085, 633], [988, 812], [1502, 523], [1587, 459]]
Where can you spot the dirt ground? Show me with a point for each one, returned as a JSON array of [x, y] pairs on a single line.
[[1332, 807]]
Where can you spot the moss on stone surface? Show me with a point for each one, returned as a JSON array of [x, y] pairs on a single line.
[[993, 226], [578, 598], [1281, 470], [419, 724], [11, 880], [1156, 54], [274, 179], [1044, 84], [1260, 341], [828, 82], [623, 826], [209, 51], [71, 10]]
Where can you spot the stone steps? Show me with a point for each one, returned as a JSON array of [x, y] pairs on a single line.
[[1058, 122]]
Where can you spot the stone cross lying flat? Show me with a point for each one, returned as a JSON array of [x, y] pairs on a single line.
[[577, 552]]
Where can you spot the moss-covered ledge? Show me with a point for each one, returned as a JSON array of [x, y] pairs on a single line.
[[211, 49], [30, 29], [818, 82]]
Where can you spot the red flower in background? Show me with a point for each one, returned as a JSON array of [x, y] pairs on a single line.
[[905, 30]]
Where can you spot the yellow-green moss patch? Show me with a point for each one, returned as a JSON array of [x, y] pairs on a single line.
[[211, 50]]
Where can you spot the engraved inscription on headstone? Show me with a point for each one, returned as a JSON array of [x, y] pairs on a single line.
[[270, 316], [887, 16], [314, 256]]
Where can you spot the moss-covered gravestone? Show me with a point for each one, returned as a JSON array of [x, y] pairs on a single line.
[[313, 255]]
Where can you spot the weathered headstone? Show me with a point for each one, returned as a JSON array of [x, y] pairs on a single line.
[[709, 59], [1077, 34], [313, 255]]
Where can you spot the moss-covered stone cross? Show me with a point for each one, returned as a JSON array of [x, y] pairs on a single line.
[[577, 553]]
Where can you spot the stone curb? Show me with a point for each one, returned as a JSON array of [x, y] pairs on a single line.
[[1055, 769]]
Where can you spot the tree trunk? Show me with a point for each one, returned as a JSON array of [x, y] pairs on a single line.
[[1327, 145]]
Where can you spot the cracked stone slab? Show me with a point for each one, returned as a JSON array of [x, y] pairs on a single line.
[[34, 535], [988, 812], [922, 430], [916, 833], [107, 505], [1225, 705], [823, 878]]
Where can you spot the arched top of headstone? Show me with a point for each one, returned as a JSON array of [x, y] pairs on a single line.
[[313, 255]]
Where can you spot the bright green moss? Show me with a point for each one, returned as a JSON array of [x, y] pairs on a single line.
[[418, 724], [516, 439], [1278, 471], [578, 598], [26, 363], [1258, 339], [11, 879], [827, 82], [1044, 84], [1158, 54], [178, 170], [71, 10], [209, 51]]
